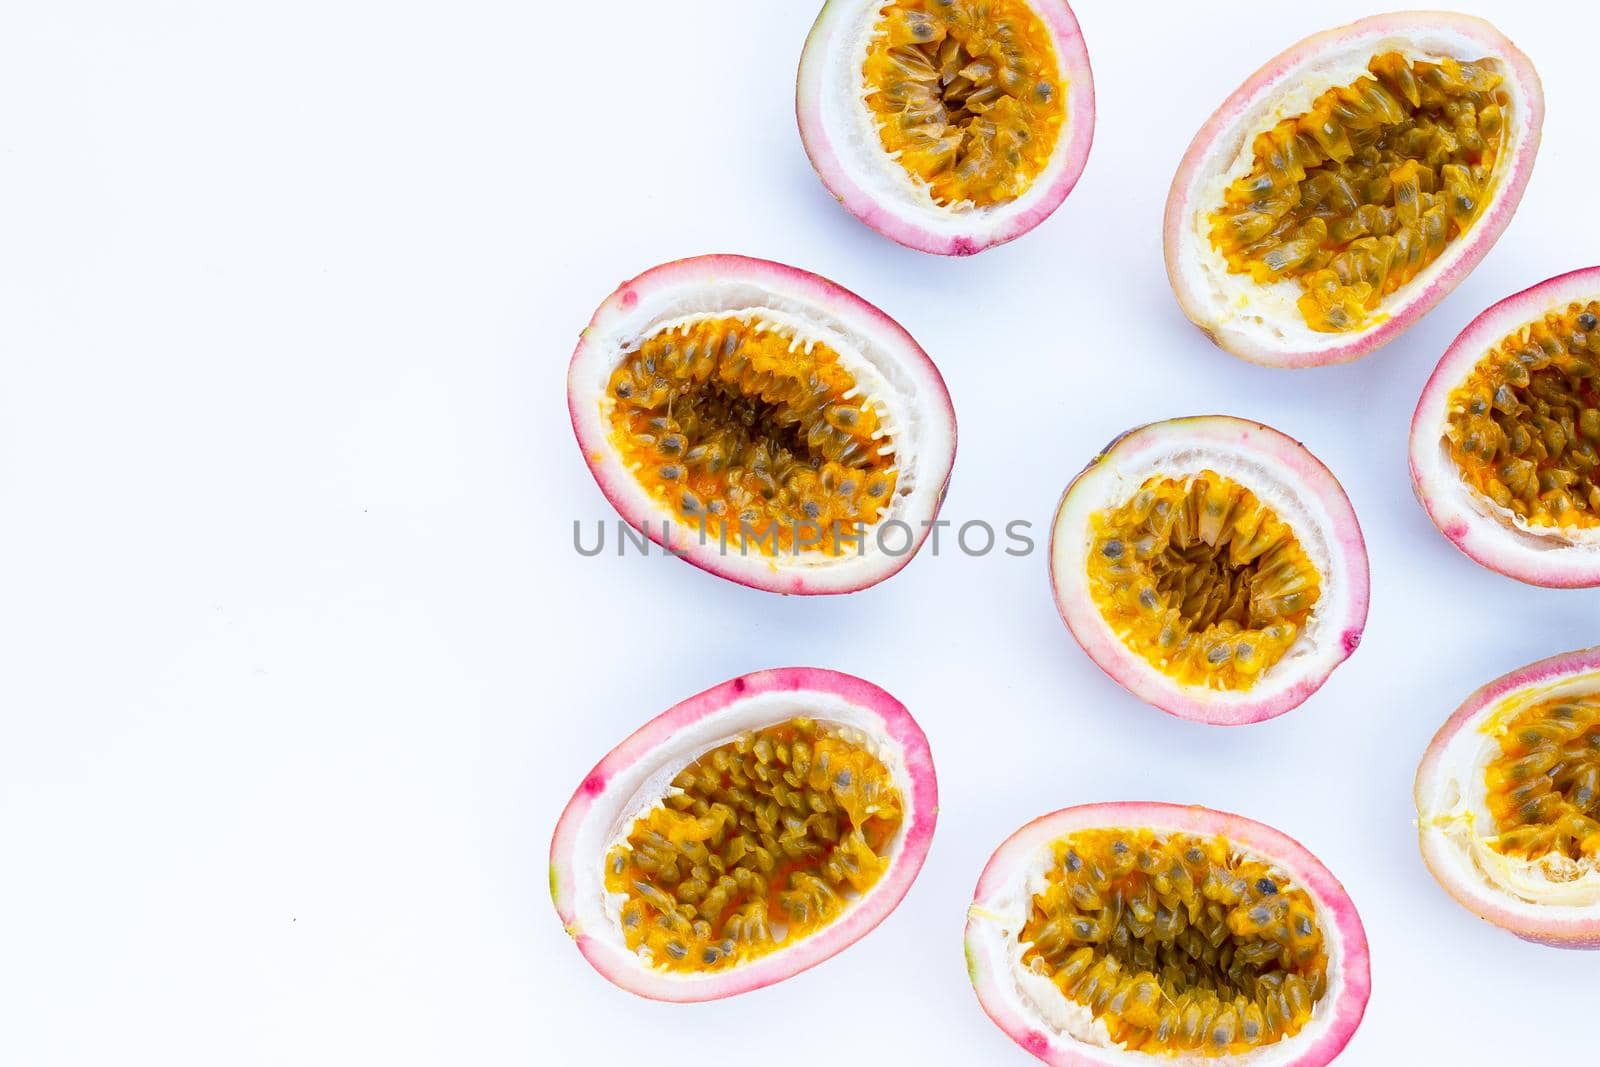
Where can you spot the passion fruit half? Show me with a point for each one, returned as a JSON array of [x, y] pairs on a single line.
[[1508, 802], [949, 126], [744, 835], [763, 423], [1123, 933], [1505, 443], [1350, 184], [1212, 567]]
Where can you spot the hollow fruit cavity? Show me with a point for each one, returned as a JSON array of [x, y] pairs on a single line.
[[1177, 941], [1543, 786], [1200, 578], [1524, 427], [967, 95], [758, 437], [759, 842], [1356, 196]]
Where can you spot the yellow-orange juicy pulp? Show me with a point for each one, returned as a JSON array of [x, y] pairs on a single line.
[[1356, 196], [1177, 942], [759, 842], [1201, 579], [967, 94], [758, 438], [1543, 787], [1524, 427]]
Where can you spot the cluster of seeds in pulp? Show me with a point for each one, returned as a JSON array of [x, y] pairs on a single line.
[[753, 436], [1356, 196], [1524, 427], [1543, 788], [967, 94], [1201, 579], [759, 842], [1177, 942]]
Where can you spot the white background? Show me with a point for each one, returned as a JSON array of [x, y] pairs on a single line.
[[298, 665]]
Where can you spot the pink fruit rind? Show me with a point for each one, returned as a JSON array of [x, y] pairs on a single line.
[[618, 486], [1284, 68], [1554, 929], [1130, 670], [825, 154], [1469, 530], [989, 969], [625, 968]]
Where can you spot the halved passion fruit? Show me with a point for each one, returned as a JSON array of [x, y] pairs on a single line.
[[1121, 933], [947, 125], [1212, 567], [765, 424], [1505, 443], [1350, 184], [1508, 802], [744, 835]]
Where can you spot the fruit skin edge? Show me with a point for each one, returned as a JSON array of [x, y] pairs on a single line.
[[1436, 851], [820, 149], [623, 967], [991, 978], [1475, 244]]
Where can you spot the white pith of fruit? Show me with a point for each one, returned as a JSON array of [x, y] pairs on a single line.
[[634, 791], [854, 127], [1114, 479], [1454, 815], [1003, 914], [1539, 538], [901, 389], [1265, 315]]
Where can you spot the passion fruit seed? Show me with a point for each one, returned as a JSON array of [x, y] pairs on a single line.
[[968, 96], [762, 840], [1543, 787], [759, 436], [1201, 579], [1356, 196], [1524, 427], [1177, 941]]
